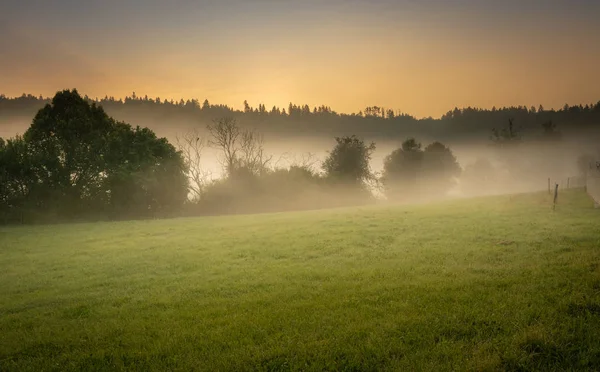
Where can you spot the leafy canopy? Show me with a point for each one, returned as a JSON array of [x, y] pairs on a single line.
[[76, 162]]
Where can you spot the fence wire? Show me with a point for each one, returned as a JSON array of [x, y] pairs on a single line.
[[590, 182]]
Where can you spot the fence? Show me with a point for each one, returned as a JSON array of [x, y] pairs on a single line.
[[567, 183], [590, 182]]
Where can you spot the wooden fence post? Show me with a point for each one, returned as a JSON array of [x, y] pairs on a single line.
[[555, 196], [549, 186], [568, 181]]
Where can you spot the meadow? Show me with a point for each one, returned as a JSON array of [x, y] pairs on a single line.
[[491, 283]]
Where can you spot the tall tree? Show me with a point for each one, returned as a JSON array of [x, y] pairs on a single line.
[[348, 162], [71, 137], [80, 162], [225, 135], [146, 175], [401, 170], [242, 150], [191, 145], [441, 169]]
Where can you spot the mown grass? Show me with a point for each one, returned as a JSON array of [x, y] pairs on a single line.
[[500, 283]]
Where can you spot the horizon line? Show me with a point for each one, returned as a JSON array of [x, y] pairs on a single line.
[[397, 112]]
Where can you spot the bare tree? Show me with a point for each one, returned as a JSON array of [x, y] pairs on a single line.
[[225, 134], [241, 148], [252, 152], [191, 145]]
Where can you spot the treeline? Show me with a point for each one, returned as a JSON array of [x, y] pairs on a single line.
[[76, 163], [375, 122]]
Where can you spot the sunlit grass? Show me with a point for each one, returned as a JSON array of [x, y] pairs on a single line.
[[499, 283]]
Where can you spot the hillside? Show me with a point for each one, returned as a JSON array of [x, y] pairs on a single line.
[[496, 283]]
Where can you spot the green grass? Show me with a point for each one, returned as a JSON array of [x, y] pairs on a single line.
[[500, 283]]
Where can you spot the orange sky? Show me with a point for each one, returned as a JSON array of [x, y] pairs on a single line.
[[420, 59]]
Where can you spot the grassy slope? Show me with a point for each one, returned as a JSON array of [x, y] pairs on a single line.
[[491, 283]]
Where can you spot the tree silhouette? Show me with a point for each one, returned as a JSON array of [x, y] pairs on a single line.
[[441, 169], [191, 145], [76, 161], [242, 149], [348, 162], [410, 172], [401, 170], [506, 136]]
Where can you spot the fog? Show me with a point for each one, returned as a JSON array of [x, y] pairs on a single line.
[[532, 163], [287, 150], [484, 167]]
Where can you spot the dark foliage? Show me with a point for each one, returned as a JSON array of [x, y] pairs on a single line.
[[348, 163], [75, 162], [374, 122], [411, 173]]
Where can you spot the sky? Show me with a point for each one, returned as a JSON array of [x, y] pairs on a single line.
[[422, 57]]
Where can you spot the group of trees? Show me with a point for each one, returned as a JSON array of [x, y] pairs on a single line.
[[75, 162], [410, 172], [252, 183]]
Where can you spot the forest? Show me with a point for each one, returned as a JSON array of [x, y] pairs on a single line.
[[301, 120]]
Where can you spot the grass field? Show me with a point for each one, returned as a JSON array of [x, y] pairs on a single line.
[[499, 283]]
